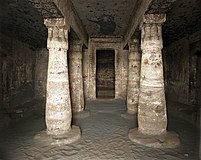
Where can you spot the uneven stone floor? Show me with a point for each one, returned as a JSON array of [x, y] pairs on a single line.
[[104, 137]]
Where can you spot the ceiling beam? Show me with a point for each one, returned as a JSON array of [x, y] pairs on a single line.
[[140, 8], [72, 20]]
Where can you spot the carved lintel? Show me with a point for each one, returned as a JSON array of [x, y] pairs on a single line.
[[57, 33]]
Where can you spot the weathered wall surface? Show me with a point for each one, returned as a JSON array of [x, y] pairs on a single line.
[[124, 73], [41, 72], [176, 62], [17, 66], [182, 65], [181, 68]]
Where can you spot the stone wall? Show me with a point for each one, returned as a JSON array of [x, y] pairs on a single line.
[[176, 62], [181, 67], [41, 72], [17, 66]]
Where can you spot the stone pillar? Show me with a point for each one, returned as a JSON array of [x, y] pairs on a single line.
[[152, 116], [85, 72], [92, 71], [58, 104], [133, 77], [76, 79], [118, 67], [124, 74]]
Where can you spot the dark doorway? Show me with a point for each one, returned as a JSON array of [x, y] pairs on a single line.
[[105, 74]]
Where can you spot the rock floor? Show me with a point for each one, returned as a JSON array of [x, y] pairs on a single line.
[[104, 137]]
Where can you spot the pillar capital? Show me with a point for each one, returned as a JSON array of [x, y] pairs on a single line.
[[57, 33], [154, 18], [133, 43], [76, 46], [76, 49], [151, 36], [134, 48]]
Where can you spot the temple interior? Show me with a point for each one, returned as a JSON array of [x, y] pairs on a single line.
[[100, 80]]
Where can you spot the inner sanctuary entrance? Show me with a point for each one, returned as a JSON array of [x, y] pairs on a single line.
[[105, 74]]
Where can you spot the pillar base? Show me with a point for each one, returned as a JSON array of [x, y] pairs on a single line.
[[73, 135], [81, 114], [129, 115], [132, 108], [167, 140]]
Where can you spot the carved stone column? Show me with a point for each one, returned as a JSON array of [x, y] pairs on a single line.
[[86, 72], [152, 116], [133, 77], [58, 104], [76, 79]]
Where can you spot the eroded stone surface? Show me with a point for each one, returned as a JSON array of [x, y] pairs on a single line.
[[104, 136], [124, 74], [17, 64], [133, 77], [166, 140], [152, 117], [41, 73], [76, 78], [58, 104], [104, 17], [85, 62], [67, 138]]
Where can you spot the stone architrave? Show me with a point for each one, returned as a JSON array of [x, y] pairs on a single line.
[[133, 77], [58, 104], [152, 116], [76, 78]]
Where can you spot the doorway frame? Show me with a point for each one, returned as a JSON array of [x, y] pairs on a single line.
[[111, 43]]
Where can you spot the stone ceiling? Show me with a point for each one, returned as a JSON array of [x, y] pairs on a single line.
[[23, 19], [183, 19], [104, 17], [19, 19]]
